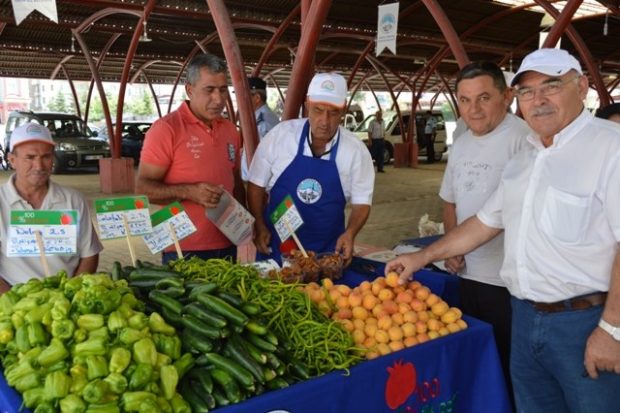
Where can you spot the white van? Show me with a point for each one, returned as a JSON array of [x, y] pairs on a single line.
[[393, 134]]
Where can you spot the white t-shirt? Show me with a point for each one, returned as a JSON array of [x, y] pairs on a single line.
[[18, 270], [560, 208], [473, 173], [277, 149]]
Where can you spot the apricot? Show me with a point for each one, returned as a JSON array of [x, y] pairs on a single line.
[[372, 355], [384, 322], [432, 299], [449, 316], [453, 327], [343, 314], [359, 324], [348, 325], [370, 343], [385, 294], [390, 307], [410, 317], [404, 297], [370, 330], [365, 286], [360, 313], [461, 323], [344, 290], [408, 330], [422, 338], [392, 279], [355, 299], [422, 293], [358, 336], [382, 336], [414, 285], [433, 335], [398, 319], [383, 349], [443, 331], [417, 305], [395, 333], [342, 302], [421, 327], [369, 301], [439, 308], [396, 345], [410, 341]]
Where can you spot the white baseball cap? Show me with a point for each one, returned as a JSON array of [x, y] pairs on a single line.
[[30, 132], [329, 88], [550, 62]]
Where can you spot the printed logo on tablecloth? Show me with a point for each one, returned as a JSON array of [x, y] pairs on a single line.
[[403, 393]]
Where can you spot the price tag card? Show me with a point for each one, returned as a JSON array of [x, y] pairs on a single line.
[[232, 219], [110, 213], [286, 213], [161, 237], [58, 231]]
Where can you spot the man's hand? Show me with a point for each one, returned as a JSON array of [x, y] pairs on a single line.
[[406, 265], [455, 264], [262, 237], [602, 353], [206, 194], [344, 246]]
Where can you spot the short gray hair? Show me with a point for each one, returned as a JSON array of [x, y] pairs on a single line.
[[204, 60]]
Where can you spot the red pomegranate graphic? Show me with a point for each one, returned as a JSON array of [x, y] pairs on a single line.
[[65, 219], [400, 384], [174, 210], [139, 203]]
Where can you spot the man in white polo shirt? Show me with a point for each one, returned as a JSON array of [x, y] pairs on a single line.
[[30, 188], [559, 205], [321, 166]]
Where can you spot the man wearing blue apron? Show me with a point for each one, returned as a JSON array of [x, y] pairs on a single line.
[[321, 166]]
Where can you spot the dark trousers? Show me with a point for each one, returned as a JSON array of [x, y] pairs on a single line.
[[227, 253], [491, 304], [377, 149], [429, 140]]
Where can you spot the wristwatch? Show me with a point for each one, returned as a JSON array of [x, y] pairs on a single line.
[[612, 330]]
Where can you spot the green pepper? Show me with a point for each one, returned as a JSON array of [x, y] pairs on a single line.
[[132, 400], [62, 365], [33, 397], [157, 324], [60, 309], [17, 318], [107, 302], [80, 335], [184, 364], [37, 313], [54, 281], [97, 366], [56, 351], [63, 329], [132, 302], [72, 286], [41, 297], [92, 347], [79, 378], [179, 405], [18, 371], [57, 385], [95, 391], [37, 334], [138, 321], [116, 321], [149, 406], [141, 376], [164, 405], [144, 351], [129, 335], [119, 360], [117, 383], [101, 332], [90, 322], [168, 345], [32, 286], [8, 301], [125, 310], [111, 407], [45, 407], [72, 404], [6, 331], [169, 379], [28, 381]]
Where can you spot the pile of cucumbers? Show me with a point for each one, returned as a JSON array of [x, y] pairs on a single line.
[[236, 355]]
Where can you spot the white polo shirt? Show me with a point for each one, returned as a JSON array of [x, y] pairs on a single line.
[[560, 208], [20, 269], [278, 148]]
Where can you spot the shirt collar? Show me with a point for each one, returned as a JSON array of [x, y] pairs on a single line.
[[189, 117], [565, 135], [331, 142], [53, 197]]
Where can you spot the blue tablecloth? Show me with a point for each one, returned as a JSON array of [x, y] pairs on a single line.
[[457, 373]]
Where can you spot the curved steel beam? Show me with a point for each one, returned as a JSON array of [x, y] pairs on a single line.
[[317, 13], [148, 82], [562, 22], [448, 31], [389, 88], [59, 66], [73, 92], [275, 83], [270, 47], [149, 63], [102, 56]]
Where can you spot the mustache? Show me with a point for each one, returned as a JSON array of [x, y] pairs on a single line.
[[542, 111]]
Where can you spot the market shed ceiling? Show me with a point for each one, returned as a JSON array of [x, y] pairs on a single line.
[[489, 30]]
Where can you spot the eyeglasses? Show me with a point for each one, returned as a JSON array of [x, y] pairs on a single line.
[[550, 88]]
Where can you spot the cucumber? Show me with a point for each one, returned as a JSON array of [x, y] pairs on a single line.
[[195, 342], [117, 271], [228, 384], [235, 350], [197, 404], [221, 307], [195, 325], [261, 343], [166, 301], [202, 376], [202, 288], [200, 312], [242, 375], [258, 355], [250, 309], [256, 328], [230, 299]]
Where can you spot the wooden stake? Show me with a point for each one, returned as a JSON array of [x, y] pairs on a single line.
[[128, 236], [177, 246], [297, 241], [39, 237]]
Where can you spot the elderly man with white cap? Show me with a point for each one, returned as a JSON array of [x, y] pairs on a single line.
[[322, 166], [559, 205], [30, 188]]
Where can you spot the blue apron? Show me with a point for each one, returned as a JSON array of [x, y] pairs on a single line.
[[314, 184]]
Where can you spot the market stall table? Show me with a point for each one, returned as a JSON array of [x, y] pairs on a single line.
[[457, 373]]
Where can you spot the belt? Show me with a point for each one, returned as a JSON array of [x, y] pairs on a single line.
[[576, 303]]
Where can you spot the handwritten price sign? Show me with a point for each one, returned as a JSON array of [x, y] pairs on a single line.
[[111, 214], [161, 237], [58, 230]]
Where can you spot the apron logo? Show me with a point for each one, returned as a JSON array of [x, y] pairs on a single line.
[[231, 152], [309, 191]]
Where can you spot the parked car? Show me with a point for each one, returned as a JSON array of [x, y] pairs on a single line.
[[393, 134], [132, 138], [75, 146]]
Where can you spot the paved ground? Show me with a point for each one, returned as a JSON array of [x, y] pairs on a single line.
[[402, 196]]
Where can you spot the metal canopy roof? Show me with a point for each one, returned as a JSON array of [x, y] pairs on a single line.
[[488, 30]]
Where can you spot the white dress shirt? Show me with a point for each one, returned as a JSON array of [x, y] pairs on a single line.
[[277, 150], [560, 208]]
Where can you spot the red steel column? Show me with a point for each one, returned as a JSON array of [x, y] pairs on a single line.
[[299, 80]]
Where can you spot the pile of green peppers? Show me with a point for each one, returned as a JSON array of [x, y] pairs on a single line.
[[84, 344]]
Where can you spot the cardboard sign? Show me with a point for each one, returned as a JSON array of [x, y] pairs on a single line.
[[111, 213], [286, 218], [232, 219], [173, 214], [58, 231]]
